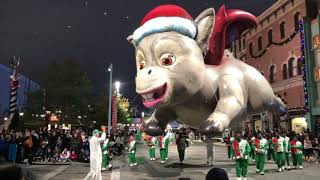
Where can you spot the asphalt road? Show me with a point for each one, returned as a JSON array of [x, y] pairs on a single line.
[[194, 167]]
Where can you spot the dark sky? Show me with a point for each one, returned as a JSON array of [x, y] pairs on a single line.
[[91, 31]]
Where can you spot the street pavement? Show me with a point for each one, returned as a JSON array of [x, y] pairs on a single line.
[[193, 168]]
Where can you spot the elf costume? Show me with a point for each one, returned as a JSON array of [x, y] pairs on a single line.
[[260, 148], [228, 143], [105, 155], [296, 150], [138, 135], [280, 145], [271, 151], [162, 146], [132, 153], [240, 152], [251, 143], [287, 151], [166, 145], [152, 141]]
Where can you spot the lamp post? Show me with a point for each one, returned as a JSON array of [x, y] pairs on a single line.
[[110, 69]]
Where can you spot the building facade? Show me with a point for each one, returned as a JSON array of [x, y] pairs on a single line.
[[26, 85], [274, 48], [312, 59]]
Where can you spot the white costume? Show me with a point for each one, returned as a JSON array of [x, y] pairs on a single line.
[[209, 145], [95, 157]]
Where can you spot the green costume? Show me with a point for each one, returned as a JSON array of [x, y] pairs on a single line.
[[271, 151], [287, 151], [240, 152], [132, 153], [296, 150], [166, 146], [280, 148], [252, 153], [105, 155], [163, 143], [260, 148], [152, 147]]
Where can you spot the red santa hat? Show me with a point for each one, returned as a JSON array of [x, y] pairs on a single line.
[[166, 18]]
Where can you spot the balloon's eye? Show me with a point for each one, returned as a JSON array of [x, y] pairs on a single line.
[[167, 59]]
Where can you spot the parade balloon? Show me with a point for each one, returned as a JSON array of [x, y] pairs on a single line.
[[185, 72]]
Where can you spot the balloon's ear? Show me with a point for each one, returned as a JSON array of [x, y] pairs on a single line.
[[130, 40], [205, 22]]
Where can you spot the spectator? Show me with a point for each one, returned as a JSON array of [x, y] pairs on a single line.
[[28, 145], [217, 174], [74, 142], [65, 155], [307, 147], [73, 156], [182, 144]]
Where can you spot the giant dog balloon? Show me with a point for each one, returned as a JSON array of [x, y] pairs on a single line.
[[185, 73]]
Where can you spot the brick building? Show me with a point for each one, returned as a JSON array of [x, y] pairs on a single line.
[[274, 48]]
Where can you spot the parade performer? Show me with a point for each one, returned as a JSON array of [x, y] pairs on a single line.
[[280, 144], [152, 141], [132, 152], [105, 155], [240, 152], [138, 135], [162, 146], [260, 148], [96, 154], [166, 144], [271, 151], [252, 145], [228, 143], [287, 150], [209, 145], [296, 150]]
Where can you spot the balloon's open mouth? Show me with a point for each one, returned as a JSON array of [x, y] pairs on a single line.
[[154, 96]]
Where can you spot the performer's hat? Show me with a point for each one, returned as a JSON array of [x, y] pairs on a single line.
[[96, 131], [166, 18]]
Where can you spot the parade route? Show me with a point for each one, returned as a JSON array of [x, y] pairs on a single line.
[[194, 167]]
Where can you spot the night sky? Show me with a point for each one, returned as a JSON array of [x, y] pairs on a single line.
[[93, 32]]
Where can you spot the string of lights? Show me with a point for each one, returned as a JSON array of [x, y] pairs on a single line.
[[284, 42], [304, 68]]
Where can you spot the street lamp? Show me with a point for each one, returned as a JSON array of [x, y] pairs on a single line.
[[5, 118], [110, 97], [117, 86], [142, 114], [21, 114], [42, 115]]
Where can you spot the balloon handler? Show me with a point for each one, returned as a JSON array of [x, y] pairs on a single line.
[[105, 155], [132, 152], [163, 144], [279, 148], [152, 141], [260, 148], [296, 150], [240, 152], [96, 154]]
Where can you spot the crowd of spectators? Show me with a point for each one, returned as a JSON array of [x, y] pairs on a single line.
[[55, 145]]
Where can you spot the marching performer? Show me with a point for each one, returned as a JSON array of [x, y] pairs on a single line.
[[280, 144], [296, 150], [240, 152], [260, 148], [163, 140], [132, 152], [252, 152], [287, 150], [271, 151], [105, 155], [166, 144], [152, 141]]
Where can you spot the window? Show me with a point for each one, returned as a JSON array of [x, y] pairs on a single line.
[[290, 67], [284, 71], [296, 20], [270, 36], [260, 43], [299, 67], [271, 74], [282, 30], [250, 49]]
